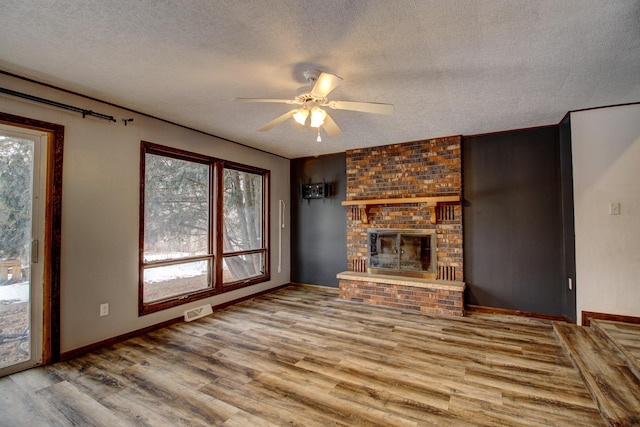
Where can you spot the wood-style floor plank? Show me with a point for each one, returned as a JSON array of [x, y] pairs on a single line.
[[624, 337], [302, 357], [78, 407], [19, 407], [615, 388]]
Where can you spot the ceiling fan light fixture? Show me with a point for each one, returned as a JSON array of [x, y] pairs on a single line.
[[311, 99], [301, 115], [317, 117]]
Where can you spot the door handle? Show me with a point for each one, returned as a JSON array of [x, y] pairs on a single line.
[[34, 251]]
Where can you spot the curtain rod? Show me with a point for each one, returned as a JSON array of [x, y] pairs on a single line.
[[57, 104]]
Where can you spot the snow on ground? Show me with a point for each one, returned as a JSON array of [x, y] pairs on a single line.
[[18, 292], [176, 271]]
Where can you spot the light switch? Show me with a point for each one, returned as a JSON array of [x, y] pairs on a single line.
[[614, 208], [104, 309]]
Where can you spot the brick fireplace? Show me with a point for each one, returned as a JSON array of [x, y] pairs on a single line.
[[410, 186]]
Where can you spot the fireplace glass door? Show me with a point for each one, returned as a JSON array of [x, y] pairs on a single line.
[[402, 252]]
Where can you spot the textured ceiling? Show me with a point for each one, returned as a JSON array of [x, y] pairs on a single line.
[[450, 67]]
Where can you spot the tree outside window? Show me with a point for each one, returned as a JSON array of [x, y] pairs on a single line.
[[16, 160]]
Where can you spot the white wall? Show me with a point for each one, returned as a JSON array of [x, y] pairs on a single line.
[[606, 169], [100, 194]]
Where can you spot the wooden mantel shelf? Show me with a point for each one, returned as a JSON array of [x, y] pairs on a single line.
[[431, 202]]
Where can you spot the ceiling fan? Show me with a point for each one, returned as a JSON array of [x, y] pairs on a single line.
[[313, 99]]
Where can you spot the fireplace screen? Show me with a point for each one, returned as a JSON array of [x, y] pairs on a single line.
[[402, 252]]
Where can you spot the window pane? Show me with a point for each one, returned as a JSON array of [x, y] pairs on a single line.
[[170, 280], [16, 233], [242, 211], [241, 267], [176, 209]]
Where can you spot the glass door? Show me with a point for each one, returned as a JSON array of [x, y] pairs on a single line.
[[22, 211]]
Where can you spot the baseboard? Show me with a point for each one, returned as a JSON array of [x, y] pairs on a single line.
[[306, 285], [508, 312], [67, 355], [588, 315]]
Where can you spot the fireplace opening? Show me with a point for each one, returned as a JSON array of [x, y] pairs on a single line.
[[402, 252]]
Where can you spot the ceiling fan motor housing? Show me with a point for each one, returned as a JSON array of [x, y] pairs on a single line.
[[305, 97], [311, 75]]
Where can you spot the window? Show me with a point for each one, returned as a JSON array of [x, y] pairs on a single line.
[[202, 227], [243, 248]]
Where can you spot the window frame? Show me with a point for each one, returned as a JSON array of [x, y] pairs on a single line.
[[215, 232]]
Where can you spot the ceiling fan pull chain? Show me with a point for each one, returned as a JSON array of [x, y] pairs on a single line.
[[319, 138]]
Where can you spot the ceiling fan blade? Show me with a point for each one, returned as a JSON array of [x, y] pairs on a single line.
[[325, 84], [275, 100], [331, 127], [277, 121], [365, 107]]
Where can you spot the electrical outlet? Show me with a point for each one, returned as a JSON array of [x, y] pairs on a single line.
[[614, 208], [104, 309]]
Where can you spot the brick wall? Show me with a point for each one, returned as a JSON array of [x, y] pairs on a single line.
[[414, 169], [420, 168]]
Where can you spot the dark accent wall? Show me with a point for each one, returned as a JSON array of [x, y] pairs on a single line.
[[318, 226], [514, 223]]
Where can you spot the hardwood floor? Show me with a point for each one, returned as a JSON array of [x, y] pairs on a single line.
[[302, 357], [625, 337]]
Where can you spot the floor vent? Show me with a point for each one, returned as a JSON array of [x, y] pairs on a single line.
[[198, 312]]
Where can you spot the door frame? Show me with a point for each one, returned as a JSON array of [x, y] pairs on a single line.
[[52, 231]]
